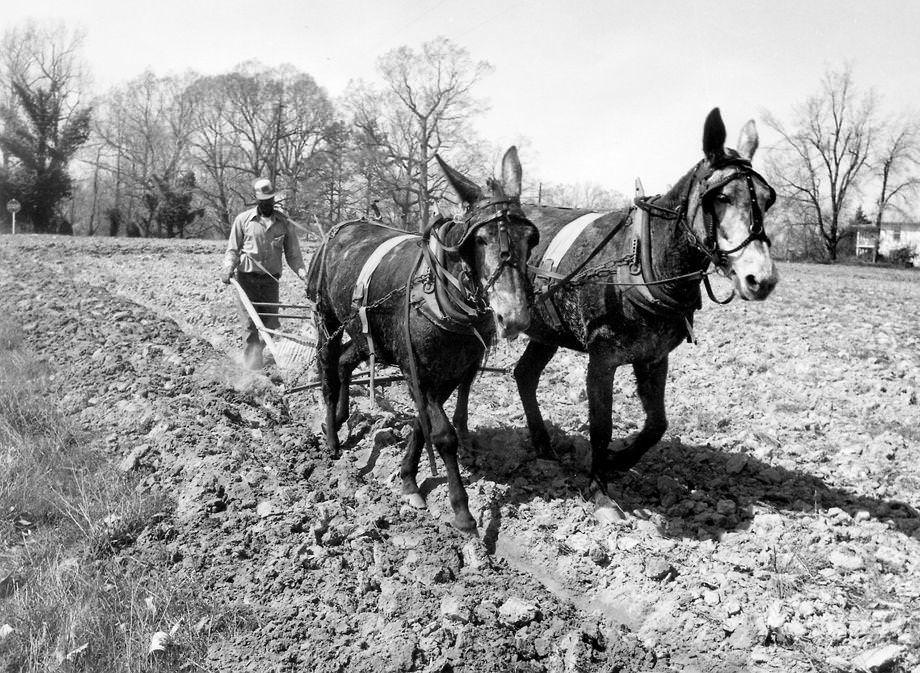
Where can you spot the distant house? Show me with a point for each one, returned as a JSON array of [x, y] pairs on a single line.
[[894, 235]]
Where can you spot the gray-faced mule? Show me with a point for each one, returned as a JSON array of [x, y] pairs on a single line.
[[428, 304], [623, 286]]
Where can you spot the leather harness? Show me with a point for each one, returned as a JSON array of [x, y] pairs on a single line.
[[455, 304], [643, 288]]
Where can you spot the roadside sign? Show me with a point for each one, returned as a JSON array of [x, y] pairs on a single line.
[[13, 206]]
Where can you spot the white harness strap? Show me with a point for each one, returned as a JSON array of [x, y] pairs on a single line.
[[370, 265], [555, 251], [564, 239], [360, 294]]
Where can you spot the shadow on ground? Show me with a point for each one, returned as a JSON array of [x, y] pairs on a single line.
[[696, 491]]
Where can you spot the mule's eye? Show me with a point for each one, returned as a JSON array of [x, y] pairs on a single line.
[[481, 240], [723, 198]]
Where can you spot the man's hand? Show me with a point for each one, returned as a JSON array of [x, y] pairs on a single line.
[[302, 274], [225, 278]]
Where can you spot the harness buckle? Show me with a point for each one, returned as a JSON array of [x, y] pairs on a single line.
[[634, 268]]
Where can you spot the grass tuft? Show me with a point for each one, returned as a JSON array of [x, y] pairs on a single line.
[[75, 597]]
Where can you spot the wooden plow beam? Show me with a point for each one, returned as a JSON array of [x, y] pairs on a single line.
[[295, 352], [362, 378], [292, 352]]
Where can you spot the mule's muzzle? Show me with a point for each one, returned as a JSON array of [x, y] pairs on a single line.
[[510, 323], [756, 286]]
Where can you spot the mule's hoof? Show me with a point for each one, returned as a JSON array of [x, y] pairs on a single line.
[[465, 523], [597, 483], [416, 500]]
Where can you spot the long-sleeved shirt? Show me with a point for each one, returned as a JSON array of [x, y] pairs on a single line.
[[254, 238]]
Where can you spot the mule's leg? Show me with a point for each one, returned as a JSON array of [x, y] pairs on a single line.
[[444, 438], [408, 471], [328, 350], [527, 375], [601, 370], [349, 359], [461, 411], [651, 379]]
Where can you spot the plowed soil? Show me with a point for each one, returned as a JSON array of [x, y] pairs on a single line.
[[775, 527]]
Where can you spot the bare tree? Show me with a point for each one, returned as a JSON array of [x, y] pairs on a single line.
[[257, 122], [145, 128], [42, 119], [896, 165], [302, 131], [824, 152], [44, 55], [424, 106], [583, 195]]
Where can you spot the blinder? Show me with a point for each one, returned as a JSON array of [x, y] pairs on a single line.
[[457, 237], [460, 297]]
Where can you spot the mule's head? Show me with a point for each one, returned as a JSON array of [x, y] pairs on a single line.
[[727, 203], [494, 242]]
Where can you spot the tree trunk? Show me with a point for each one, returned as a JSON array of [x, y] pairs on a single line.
[[881, 210], [92, 212], [423, 174]]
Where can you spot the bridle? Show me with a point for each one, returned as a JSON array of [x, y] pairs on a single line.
[[709, 246], [472, 296]]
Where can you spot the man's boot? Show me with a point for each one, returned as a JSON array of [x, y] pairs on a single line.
[[252, 356]]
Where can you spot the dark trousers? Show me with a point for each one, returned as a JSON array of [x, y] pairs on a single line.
[[259, 287]]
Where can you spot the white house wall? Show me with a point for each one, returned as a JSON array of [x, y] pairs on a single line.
[[908, 238]]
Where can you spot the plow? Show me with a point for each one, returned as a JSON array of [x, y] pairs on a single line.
[[294, 348]]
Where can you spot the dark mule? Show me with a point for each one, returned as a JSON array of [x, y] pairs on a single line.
[[620, 307], [467, 280]]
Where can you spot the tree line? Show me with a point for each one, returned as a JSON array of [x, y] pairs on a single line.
[[175, 156], [838, 150]]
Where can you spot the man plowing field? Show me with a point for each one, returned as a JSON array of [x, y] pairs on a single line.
[[259, 238]]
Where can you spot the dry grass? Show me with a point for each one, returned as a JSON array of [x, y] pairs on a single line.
[[73, 595]]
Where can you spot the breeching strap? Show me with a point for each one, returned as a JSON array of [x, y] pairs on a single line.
[[423, 418]]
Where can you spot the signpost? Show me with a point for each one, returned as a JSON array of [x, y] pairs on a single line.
[[13, 206]]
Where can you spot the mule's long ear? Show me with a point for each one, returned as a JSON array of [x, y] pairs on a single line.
[[511, 173], [468, 191], [714, 135], [748, 140]]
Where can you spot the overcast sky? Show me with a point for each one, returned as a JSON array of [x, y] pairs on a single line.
[[603, 91]]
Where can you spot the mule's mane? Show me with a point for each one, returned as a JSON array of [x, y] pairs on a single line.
[[673, 197]]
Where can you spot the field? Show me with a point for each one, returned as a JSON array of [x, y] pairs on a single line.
[[149, 485]]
